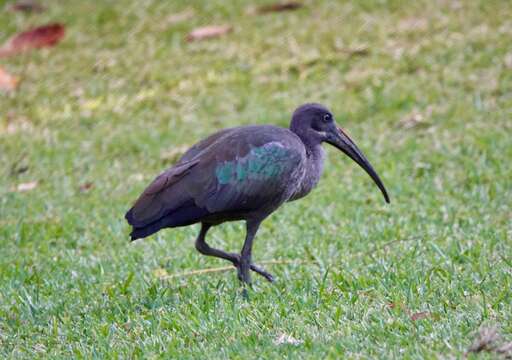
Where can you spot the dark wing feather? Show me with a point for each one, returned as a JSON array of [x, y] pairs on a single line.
[[161, 196], [245, 169]]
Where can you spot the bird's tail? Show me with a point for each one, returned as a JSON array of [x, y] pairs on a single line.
[[137, 233], [185, 215]]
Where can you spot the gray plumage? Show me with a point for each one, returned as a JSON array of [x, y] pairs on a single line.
[[242, 173]]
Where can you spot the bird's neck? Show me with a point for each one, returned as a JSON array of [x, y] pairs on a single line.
[[313, 170]]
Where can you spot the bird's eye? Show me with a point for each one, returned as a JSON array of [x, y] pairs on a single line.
[[327, 117]]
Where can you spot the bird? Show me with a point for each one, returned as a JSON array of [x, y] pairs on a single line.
[[243, 173]]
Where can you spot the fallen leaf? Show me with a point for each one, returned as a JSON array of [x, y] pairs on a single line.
[[27, 6], [413, 316], [287, 339], [420, 315], [86, 186], [279, 7], [39, 37], [7, 81], [208, 32], [413, 120], [27, 186]]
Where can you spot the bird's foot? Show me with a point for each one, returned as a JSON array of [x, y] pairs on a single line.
[[256, 269], [262, 272]]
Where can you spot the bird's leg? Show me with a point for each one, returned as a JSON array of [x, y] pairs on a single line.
[[205, 249], [245, 255]]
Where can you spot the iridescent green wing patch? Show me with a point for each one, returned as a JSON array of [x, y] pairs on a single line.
[[261, 163]]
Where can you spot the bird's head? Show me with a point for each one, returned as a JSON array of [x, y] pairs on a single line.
[[314, 124]]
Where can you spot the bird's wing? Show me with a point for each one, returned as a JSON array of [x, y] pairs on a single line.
[[236, 171], [243, 173], [161, 196]]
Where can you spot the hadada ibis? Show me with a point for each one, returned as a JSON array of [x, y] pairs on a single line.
[[243, 173]]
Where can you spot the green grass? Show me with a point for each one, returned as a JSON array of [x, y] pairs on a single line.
[[124, 89]]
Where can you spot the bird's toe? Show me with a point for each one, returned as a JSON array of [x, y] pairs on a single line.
[[269, 277]]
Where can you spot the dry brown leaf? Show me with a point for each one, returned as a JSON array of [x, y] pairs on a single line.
[[39, 37], [27, 6], [279, 7], [86, 186], [7, 81], [208, 32], [413, 316], [27, 186], [412, 120], [420, 315]]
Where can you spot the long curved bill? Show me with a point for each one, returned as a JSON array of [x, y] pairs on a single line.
[[342, 141]]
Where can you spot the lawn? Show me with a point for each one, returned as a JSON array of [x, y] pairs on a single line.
[[424, 88]]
